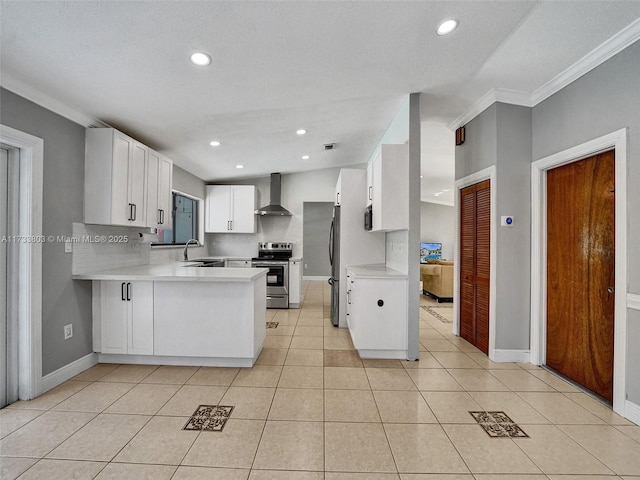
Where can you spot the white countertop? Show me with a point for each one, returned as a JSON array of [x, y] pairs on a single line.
[[177, 272], [375, 271]]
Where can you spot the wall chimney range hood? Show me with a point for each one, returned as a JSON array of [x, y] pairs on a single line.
[[274, 208]]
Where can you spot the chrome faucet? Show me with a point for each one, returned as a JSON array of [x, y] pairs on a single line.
[[186, 248]]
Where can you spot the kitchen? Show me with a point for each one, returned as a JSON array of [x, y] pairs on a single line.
[[146, 330]]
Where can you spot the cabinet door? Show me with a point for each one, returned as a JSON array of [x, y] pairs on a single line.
[[165, 179], [243, 219], [376, 192], [369, 191], [153, 213], [122, 151], [295, 281], [140, 320], [113, 317], [218, 209], [137, 184]]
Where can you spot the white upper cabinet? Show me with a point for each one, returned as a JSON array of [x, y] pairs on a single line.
[[115, 179], [230, 209], [388, 188], [159, 191]]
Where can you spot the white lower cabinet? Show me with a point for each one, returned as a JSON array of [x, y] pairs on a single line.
[[377, 315], [295, 283], [126, 317]]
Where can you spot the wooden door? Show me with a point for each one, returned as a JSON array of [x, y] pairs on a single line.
[[475, 243], [580, 271]]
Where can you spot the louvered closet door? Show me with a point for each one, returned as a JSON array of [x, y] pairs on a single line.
[[475, 243]]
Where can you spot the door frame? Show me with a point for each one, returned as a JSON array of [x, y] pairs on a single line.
[[618, 142], [29, 259], [488, 173]]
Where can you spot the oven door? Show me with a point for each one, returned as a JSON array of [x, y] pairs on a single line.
[[277, 282]]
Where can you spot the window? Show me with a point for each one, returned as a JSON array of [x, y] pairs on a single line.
[[185, 211]]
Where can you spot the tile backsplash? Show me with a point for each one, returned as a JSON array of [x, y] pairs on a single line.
[[105, 247]]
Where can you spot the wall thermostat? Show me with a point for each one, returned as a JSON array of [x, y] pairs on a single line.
[[506, 221]]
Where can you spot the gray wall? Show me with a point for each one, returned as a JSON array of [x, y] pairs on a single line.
[[317, 222], [437, 224], [501, 136], [603, 101], [63, 300]]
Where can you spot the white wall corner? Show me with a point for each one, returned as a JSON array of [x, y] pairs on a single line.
[[517, 356], [70, 370]]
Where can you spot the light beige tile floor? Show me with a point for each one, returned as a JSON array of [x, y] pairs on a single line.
[[311, 409]]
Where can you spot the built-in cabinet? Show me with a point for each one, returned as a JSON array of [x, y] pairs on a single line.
[[126, 313], [388, 188], [115, 179], [159, 181], [295, 282], [377, 312], [230, 209], [126, 183]]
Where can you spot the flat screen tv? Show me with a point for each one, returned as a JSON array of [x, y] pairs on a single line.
[[430, 251]]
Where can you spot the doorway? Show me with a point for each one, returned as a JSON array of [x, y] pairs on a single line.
[[581, 271], [475, 261], [317, 218], [9, 158], [616, 141]]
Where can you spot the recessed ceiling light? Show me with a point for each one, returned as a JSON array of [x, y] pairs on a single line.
[[301, 131], [305, 157], [215, 143], [446, 27], [200, 59], [239, 166]]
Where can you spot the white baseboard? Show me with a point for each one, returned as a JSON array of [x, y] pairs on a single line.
[[632, 412], [518, 356], [315, 278], [63, 374]]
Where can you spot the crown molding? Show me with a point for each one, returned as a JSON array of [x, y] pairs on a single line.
[[621, 40], [20, 88], [614, 45]]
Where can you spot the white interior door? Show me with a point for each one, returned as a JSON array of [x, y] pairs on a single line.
[[4, 163]]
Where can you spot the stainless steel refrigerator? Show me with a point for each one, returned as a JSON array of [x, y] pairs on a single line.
[[334, 259]]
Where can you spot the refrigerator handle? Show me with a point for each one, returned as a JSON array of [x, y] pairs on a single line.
[[331, 243]]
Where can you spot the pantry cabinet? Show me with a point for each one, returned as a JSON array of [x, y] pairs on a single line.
[[115, 184], [377, 312], [159, 179], [230, 209], [126, 317], [388, 188]]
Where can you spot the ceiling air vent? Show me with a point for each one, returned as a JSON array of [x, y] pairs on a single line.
[[329, 146]]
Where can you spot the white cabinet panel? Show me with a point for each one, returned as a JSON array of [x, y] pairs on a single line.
[[295, 282], [388, 188], [126, 316], [238, 263], [115, 178], [159, 177], [377, 316], [230, 209]]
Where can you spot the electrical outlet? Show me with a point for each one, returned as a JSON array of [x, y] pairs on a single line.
[[67, 247], [68, 331]]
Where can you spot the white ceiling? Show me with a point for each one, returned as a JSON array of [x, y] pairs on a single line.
[[340, 69]]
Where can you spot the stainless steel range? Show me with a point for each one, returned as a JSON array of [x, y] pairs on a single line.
[[275, 257]]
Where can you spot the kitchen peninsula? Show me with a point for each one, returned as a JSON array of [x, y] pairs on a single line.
[[179, 314]]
